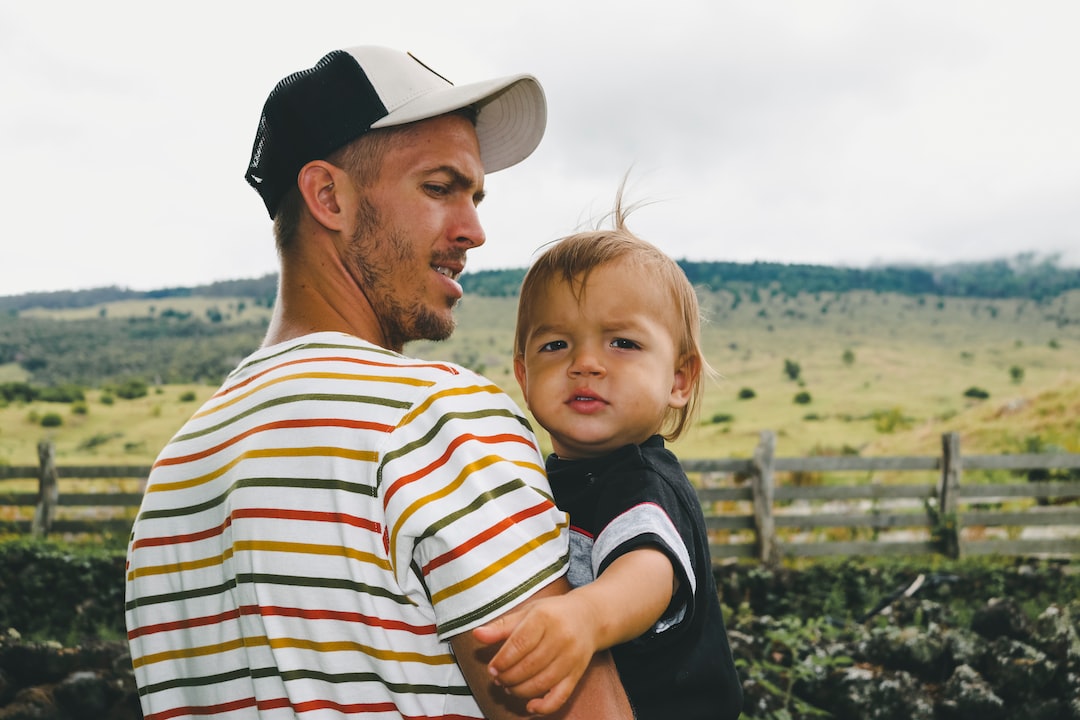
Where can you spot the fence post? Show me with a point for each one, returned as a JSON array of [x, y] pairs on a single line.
[[762, 485], [48, 490], [948, 525]]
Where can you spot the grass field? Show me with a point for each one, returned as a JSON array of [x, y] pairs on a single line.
[[909, 363]]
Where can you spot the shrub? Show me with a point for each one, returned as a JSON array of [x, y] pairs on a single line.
[[976, 392], [1017, 374], [719, 418], [848, 357], [188, 396], [51, 419], [792, 369], [747, 393], [802, 398], [131, 389], [107, 399], [80, 408]]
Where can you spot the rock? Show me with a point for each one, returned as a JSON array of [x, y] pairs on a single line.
[[1001, 617], [1018, 672], [863, 693], [968, 695]]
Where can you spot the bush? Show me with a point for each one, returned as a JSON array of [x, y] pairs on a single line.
[[51, 419], [747, 393], [61, 593], [188, 396], [719, 418], [792, 369], [802, 398], [107, 399], [132, 389], [976, 392], [80, 408]]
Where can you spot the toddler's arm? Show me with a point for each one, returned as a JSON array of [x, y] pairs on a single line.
[[548, 644]]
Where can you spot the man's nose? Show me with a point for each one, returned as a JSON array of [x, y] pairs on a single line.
[[469, 231]]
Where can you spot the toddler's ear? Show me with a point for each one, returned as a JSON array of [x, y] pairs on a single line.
[[687, 370], [522, 380]]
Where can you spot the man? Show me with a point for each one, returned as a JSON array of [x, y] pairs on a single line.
[[319, 539]]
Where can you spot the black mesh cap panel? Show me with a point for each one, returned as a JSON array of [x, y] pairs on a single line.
[[307, 116]]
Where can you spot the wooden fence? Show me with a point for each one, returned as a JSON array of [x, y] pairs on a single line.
[[749, 513]]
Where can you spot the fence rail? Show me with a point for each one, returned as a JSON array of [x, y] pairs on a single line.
[[753, 517]]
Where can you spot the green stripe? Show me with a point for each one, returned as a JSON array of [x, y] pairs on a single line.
[[318, 582], [332, 678], [406, 688], [443, 420], [286, 399], [224, 587], [269, 579], [198, 681], [317, 346], [504, 489], [303, 483], [525, 588]]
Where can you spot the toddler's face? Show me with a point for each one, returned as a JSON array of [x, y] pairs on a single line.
[[602, 373]]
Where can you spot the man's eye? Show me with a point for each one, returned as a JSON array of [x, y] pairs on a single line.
[[436, 189], [553, 345], [624, 344]]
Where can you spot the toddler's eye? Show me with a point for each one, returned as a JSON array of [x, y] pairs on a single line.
[[553, 345], [624, 344]]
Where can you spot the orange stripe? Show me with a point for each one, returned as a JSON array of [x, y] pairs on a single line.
[[486, 535], [184, 624], [335, 358], [445, 457], [362, 455], [278, 425], [504, 562], [312, 376]]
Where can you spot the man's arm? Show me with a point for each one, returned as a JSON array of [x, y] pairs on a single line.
[[599, 694]]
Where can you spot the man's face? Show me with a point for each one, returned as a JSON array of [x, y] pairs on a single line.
[[413, 227]]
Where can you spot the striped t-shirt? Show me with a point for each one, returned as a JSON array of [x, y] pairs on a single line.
[[314, 535]]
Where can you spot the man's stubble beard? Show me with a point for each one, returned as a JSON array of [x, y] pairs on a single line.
[[376, 251]]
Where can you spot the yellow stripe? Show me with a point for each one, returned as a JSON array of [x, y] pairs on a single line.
[[180, 566], [347, 646], [451, 392], [362, 455], [504, 562], [450, 487], [315, 375], [203, 651], [312, 549]]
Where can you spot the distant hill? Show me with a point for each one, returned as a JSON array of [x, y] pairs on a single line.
[[1025, 276]]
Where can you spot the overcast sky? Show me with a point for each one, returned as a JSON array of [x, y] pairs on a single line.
[[841, 133]]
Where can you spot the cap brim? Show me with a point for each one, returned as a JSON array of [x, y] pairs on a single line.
[[510, 122]]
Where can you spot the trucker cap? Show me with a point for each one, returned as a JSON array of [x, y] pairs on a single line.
[[313, 112]]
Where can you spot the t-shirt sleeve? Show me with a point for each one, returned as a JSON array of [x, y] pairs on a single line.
[[470, 520], [641, 510]]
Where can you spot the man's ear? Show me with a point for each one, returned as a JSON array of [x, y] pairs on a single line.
[[682, 384], [321, 185]]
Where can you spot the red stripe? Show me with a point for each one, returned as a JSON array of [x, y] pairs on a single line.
[[309, 614], [485, 536], [278, 425], [183, 624], [274, 513], [442, 460], [211, 709]]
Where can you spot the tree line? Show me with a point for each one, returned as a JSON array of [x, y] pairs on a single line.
[[1023, 276]]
